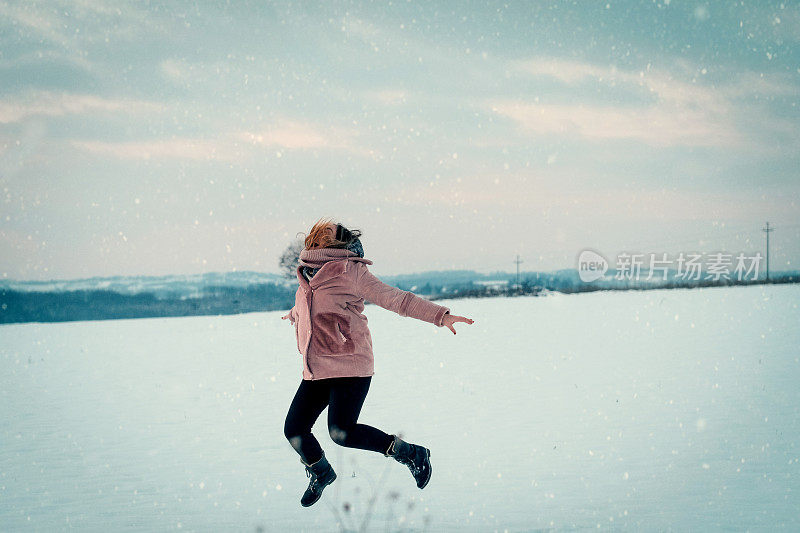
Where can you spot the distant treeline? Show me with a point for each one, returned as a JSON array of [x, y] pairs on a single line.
[[530, 287], [61, 306], [18, 306], [679, 284]]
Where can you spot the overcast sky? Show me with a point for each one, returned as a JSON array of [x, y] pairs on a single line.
[[156, 138]]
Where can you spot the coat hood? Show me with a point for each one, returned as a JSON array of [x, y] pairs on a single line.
[[319, 257]]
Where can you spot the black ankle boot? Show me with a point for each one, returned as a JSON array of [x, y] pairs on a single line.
[[322, 475], [415, 457]]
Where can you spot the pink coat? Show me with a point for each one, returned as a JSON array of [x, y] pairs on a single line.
[[332, 332]]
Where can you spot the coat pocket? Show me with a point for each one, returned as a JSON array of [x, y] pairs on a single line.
[[341, 335], [331, 335]]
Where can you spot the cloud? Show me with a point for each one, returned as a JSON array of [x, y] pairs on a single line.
[[45, 103], [282, 135], [46, 58], [657, 125], [175, 148], [551, 195], [289, 134], [296, 135], [565, 70], [46, 23], [174, 69], [186, 73], [389, 97], [362, 29], [679, 113], [56, 24]]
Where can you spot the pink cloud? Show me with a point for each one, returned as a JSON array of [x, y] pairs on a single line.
[[283, 135], [681, 112], [293, 135], [193, 149], [657, 125], [45, 103], [389, 97]]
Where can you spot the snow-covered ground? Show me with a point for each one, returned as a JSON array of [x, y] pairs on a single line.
[[655, 410]]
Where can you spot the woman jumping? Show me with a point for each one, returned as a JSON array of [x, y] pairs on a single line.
[[338, 365]]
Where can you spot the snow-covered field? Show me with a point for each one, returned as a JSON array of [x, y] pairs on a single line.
[[655, 410]]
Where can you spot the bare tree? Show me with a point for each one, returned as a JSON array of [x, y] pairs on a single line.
[[289, 258]]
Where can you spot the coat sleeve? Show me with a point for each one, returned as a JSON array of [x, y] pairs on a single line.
[[404, 303], [292, 315]]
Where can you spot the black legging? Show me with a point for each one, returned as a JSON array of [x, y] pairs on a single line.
[[344, 398]]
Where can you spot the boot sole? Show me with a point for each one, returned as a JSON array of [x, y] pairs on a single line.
[[430, 469], [320, 493]]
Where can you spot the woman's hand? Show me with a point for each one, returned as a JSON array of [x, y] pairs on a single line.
[[289, 316], [449, 320]]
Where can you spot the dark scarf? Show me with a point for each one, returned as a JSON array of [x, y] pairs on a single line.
[[354, 246]]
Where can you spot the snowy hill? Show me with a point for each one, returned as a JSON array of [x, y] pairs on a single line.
[[160, 286], [637, 410], [121, 297]]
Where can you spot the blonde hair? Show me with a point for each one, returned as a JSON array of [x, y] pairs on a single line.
[[320, 237]]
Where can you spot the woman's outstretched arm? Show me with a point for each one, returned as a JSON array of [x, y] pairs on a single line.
[[404, 303]]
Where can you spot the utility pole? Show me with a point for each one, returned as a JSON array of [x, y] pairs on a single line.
[[766, 230], [518, 261]]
